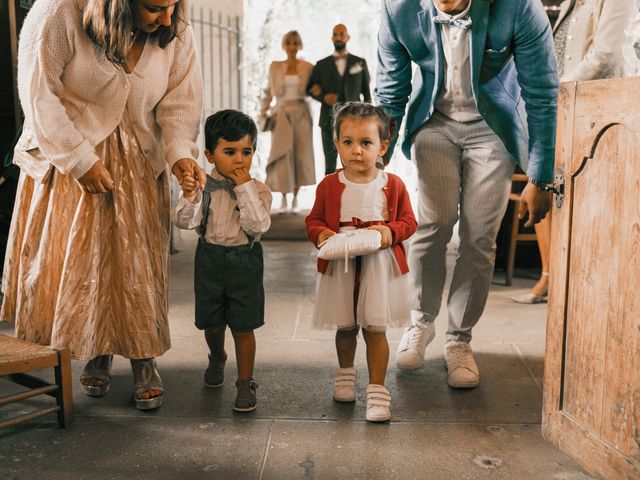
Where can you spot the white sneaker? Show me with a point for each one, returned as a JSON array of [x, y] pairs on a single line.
[[378, 403], [462, 368], [414, 342], [344, 385]]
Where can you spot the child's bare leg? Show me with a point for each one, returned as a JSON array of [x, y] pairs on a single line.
[[215, 340], [245, 343], [346, 343], [377, 355]]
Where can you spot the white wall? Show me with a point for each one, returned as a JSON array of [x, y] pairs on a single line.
[[218, 52], [218, 49], [234, 7]]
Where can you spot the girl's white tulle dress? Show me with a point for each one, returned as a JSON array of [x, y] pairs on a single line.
[[383, 299]]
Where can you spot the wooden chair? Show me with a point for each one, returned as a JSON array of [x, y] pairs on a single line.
[[18, 357], [515, 235]]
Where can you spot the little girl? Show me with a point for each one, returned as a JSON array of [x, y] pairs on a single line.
[[372, 292]]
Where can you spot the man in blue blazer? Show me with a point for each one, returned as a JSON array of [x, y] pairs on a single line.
[[482, 99]]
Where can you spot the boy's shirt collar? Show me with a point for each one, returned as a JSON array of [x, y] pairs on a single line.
[[217, 175]]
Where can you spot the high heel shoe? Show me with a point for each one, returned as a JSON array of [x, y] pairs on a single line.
[[530, 298], [145, 379], [98, 368], [295, 208], [284, 206]]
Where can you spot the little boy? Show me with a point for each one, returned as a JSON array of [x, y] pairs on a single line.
[[229, 215]]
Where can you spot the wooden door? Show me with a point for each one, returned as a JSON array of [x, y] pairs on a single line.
[[592, 364]]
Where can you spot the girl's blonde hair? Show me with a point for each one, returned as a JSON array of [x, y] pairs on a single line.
[[110, 23], [291, 34]]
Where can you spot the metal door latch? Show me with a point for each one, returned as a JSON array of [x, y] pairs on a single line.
[[557, 187]]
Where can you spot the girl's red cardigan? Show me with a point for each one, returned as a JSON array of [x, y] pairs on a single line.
[[325, 214]]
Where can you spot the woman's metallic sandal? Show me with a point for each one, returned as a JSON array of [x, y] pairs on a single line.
[[246, 399], [145, 379], [98, 368]]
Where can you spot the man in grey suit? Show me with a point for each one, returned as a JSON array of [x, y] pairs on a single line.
[[483, 98], [341, 77]]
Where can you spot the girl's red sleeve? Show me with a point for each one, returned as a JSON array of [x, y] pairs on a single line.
[[315, 221], [405, 223]]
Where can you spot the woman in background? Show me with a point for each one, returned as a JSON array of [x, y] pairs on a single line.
[[291, 162], [589, 36]]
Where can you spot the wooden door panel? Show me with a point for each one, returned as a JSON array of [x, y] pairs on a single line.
[[592, 362], [621, 412], [588, 292], [597, 388]]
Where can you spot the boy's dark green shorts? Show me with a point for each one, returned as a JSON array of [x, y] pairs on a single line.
[[228, 286]]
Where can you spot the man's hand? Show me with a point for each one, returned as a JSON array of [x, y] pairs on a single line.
[[324, 235], [240, 176], [387, 236], [97, 179], [315, 90], [188, 166], [331, 98], [534, 201]]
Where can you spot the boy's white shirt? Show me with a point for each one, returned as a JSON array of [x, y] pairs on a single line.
[[231, 221]]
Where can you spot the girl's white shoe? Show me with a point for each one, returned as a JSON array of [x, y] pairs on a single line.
[[378, 403], [344, 385]]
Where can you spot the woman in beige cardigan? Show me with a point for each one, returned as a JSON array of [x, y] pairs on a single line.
[[589, 37], [112, 95], [291, 162]]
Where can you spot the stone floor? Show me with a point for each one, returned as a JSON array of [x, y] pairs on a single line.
[[298, 432]]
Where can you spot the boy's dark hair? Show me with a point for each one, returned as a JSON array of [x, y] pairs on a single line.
[[386, 125], [230, 125]]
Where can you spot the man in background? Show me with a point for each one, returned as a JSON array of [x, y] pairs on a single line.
[[340, 77]]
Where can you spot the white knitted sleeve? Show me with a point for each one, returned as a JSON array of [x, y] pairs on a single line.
[[46, 46], [179, 111]]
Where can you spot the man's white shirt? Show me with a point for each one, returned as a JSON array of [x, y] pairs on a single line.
[[456, 97], [341, 62]]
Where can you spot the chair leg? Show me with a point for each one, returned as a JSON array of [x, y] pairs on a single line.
[[513, 237], [64, 396]]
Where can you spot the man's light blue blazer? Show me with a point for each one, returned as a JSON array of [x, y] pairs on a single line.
[[513, 69]]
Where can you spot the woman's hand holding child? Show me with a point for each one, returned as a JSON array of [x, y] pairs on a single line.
[[387, 236], [189, 188]]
